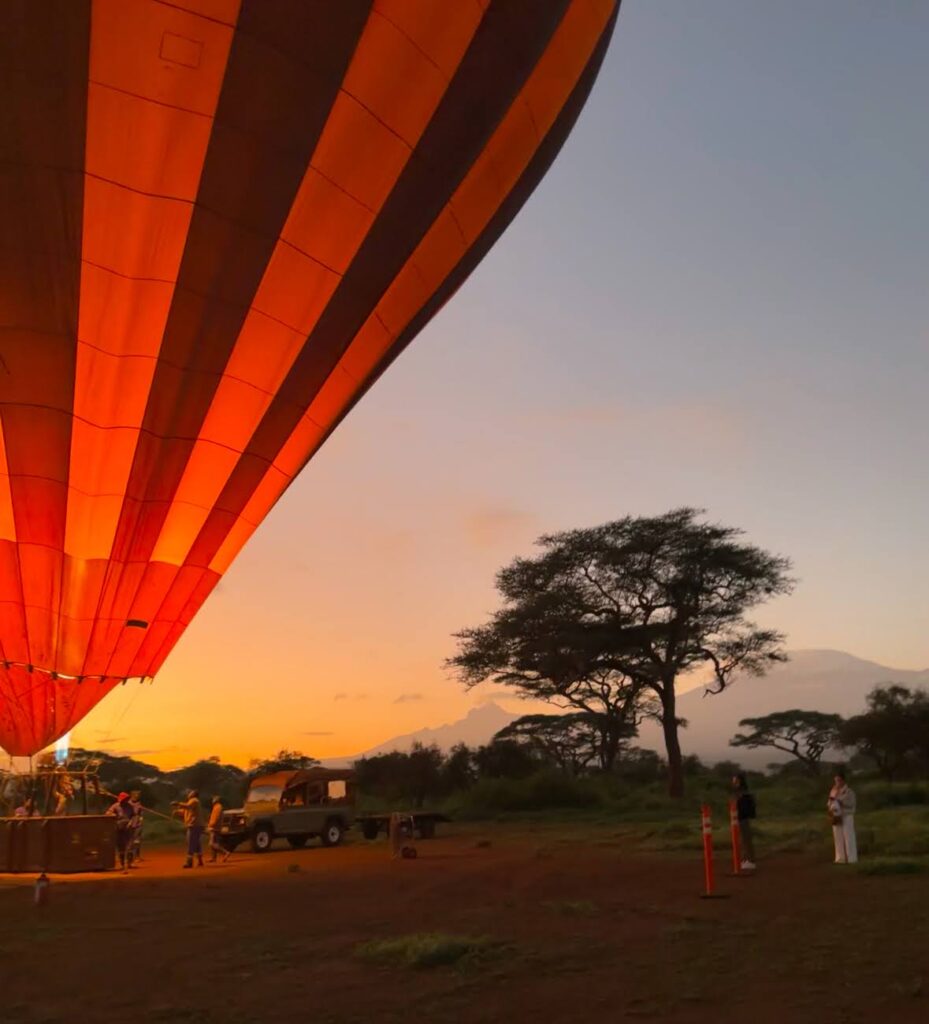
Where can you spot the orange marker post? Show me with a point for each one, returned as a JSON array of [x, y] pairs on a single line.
[[710, 892], [736, 837]]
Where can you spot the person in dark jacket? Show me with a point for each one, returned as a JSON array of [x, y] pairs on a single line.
[[745, 809]]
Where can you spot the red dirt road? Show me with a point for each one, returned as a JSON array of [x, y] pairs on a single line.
[[590, 932]]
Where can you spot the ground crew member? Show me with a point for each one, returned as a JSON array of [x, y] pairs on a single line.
[[189, 812], [135, 799], [124, 815], [213, 829]]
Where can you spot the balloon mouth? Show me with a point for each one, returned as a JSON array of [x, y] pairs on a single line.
[[66, 677], [62, 698]]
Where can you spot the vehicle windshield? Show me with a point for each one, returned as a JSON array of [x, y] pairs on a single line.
[[263, 794]]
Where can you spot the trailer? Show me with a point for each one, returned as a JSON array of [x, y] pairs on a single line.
[[424, 823]]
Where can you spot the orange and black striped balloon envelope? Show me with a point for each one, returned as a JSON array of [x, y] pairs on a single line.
[[220, 220]]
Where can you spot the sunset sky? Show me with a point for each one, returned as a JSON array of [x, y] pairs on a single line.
[[717, 297]]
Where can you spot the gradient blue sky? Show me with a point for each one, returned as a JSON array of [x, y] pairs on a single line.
[[718, 297]]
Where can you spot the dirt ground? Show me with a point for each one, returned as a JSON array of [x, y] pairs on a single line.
[[587, 931]]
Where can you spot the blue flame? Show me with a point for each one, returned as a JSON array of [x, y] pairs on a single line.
[[62, 747]]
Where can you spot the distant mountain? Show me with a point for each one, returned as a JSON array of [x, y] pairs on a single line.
[[813, 680], [476, 728]]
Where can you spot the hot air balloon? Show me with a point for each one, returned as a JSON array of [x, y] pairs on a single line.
[[220, 221]]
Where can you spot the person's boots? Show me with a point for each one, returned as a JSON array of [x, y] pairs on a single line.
[[188, 863], [199, 860]]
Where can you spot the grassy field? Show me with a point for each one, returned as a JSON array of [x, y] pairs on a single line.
[[582, 912], [564, 918]]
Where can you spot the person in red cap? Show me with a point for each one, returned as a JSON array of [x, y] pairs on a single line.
[[125, 816]]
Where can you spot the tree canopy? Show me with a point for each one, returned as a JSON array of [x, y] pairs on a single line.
[[805, 735], [606, 620], [573, 741], [282, 761], [893, 732]]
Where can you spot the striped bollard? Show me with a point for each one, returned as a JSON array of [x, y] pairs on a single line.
[[709, 892]]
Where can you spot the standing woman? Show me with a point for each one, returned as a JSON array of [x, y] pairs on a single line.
[[842, 806], [746, 811]]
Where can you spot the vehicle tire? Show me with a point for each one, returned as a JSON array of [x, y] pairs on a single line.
[[262, 838], [332, 834], [297, 842], [426, 829], [370, 829]]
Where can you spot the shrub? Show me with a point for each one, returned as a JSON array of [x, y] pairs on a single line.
[[428, 949], [890, 794], [545, 790]]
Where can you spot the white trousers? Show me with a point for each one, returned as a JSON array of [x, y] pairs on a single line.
[[846, 845]]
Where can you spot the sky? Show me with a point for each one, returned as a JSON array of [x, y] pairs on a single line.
[[717, 297]]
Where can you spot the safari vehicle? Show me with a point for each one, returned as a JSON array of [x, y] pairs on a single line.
[[293, 805]]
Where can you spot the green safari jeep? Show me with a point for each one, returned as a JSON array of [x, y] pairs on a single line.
[[293, 805]]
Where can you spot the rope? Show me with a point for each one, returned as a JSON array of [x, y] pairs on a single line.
[[122, 715], [148, 810]]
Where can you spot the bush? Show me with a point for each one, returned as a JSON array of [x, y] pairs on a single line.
[[425, 950], [545, 790], [876, 795]]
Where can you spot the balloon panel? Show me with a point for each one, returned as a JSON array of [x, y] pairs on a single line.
[[222, 222]]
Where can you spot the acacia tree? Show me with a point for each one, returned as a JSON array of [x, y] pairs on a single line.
[[609, 619], [573, 741], [805, 735], [894, 731]]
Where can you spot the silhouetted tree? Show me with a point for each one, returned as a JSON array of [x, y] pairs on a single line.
[[505, 759], [893, 732], [726, 769], [211, 778], [606, 618], [641, 766], [574, 741], [458, 770], [282, 761], [425, 773], [805, 735], [415, 775]]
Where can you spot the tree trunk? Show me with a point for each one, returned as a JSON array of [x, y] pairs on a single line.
[[672, 742], [609, 746]]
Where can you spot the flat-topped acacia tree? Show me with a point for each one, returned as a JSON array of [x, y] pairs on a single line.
[[614, 617], [805, 735]]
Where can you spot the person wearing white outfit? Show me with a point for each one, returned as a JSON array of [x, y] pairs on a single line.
[[842, 806]]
